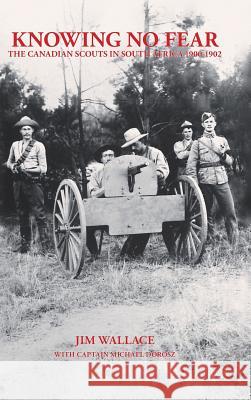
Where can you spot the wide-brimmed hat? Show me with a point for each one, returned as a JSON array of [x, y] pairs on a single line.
[[186, 124], [26, 121], [98, 153], [131, 136]]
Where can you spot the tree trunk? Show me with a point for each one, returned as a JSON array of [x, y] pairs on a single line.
[[80, 119], [67, 126], [146, 78]]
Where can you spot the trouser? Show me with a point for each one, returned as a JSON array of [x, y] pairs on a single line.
[[181, 170], [29, 199], [135, 244], [91, 240], [224, 198]]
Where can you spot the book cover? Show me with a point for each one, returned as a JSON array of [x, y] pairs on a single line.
[[165, 313]]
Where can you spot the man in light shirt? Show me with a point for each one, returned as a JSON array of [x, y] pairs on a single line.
[[95, 188], [135, 244], [209, 157], [27, 161], [183, 147], [103, 155]]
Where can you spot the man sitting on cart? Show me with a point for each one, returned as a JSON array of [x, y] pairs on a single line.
[[103, 155]]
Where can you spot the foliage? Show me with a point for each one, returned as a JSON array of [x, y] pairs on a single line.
[[234, 99], [180, 89], [234, 105], [19, 97]]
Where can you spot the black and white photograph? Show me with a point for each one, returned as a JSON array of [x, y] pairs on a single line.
[[125, 193]]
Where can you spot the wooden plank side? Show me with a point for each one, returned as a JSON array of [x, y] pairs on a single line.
[[116, 177], [131, 215]]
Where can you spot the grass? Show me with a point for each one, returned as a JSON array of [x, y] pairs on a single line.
[[203, 310]]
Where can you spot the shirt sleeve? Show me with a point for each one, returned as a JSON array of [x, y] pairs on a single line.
[[162, 165], [191, 168], [41, 156], [229, 159], [179, 151], [11, 158], [95, 187]]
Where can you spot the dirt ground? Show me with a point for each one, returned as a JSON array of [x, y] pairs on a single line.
[[41, 342], [197, 313]]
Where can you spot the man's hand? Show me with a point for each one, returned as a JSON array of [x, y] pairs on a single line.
[[98, 192], [161, 179], [14, 168], [89, 171], [219, 149]]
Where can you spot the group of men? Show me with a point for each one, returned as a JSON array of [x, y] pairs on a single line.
[[205, 159]]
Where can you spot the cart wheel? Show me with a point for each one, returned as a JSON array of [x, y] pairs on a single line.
[[69, 227], [190, 235]]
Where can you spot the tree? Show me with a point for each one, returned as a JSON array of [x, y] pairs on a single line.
[[234, 120], [181, 88]]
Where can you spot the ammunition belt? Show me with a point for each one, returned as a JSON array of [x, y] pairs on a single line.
[[210, 164]]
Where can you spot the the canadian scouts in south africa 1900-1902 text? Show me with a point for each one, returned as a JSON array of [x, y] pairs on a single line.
[[125, 199]]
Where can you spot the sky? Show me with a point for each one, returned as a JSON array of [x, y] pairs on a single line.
[[230, 20]]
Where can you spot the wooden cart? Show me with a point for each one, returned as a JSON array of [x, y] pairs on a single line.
[[130, 206]]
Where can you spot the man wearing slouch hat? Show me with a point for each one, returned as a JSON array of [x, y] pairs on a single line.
[[135, 244], [27, 161]]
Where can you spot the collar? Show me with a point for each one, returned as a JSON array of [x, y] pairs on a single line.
[[209, 135], [25, 141], [146, 153]]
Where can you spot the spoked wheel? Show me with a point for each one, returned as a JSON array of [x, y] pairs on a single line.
[[190, 235], [69, 227]]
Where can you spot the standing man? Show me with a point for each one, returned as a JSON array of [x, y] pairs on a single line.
[[210, 155], [183, 147], [134, 140], [27, 161]]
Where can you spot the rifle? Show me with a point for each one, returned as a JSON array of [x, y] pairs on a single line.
[[132, 171], [19, 172]]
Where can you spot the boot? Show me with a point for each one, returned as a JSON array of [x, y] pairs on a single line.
[[25, 245], [44, 239], [22, 248], [25, 240], [91, 243]]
